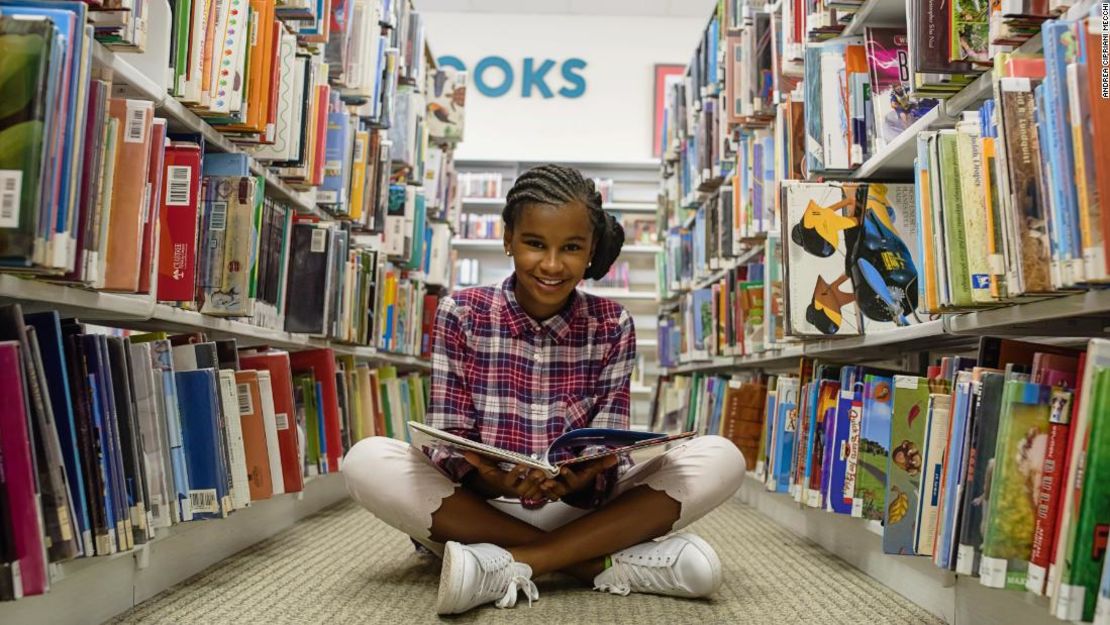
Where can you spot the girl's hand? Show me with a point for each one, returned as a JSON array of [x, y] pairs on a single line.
[[572, 480], [521, 482]]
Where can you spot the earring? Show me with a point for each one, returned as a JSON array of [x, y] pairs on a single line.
[[508, 253]]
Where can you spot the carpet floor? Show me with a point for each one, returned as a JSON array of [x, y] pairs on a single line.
[[344, 566]]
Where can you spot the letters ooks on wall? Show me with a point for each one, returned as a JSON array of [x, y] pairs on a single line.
[[494, 76]]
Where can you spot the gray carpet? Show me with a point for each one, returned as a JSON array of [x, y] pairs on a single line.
[[344, 566]]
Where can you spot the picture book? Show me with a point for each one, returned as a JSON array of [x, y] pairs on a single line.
[[592, 443], [869, 499], [987, 404], [889, 65], [904, 463], [1022, 441]]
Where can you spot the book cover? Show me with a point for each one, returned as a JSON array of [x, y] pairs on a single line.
[[152, 425], [1078, 592], [130, 442], [107, 424], [884, 257], [889, 67], [987, 398], [850, 392], [322, 364], [156, 169], [1020, 451], [868, 500], [742, 419], [48, 328], [231, 441], [199, 401], [281, 379], [1097, 358], [953, 472], [125, 228], [269, 424], [308, 264], [820, 297], [904, 463], [253, 427], [1049, 489], [177, 223], [18, 479], [936, 438], [446, 117]]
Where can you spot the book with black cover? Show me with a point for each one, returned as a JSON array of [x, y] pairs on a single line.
[[49, 465], [308, 267], [131, 458], [48, 327]]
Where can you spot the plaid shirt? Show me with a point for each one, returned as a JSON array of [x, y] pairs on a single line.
[[504, 379]]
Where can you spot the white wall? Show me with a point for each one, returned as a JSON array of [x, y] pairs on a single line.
[[611, 121]]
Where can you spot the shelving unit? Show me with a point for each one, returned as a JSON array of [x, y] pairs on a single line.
[[497, 245], [93, 590], [137, 312], [180, 119]]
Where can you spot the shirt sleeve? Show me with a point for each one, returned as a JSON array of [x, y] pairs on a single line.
[[613, 408], [451, 407]]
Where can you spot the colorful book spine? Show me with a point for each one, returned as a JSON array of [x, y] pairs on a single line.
[[1049, 490], [1022, 441]]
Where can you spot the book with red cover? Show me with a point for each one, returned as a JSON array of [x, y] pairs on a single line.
[[177, 227], [427, 327], [254, 435], [128, 193], [17, 474], [1047, 500], [1055, 370], [281, 380], [155, 170], [322, 364]]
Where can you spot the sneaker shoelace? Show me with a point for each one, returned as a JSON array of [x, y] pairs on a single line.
[[512, 578], [654, 574]]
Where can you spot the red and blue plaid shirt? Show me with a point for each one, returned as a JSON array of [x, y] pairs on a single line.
[[507, 380]]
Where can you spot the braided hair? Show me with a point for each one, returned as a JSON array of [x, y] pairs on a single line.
[[556, 185]]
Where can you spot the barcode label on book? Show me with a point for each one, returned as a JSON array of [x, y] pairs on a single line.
[[319, 241], [179, 184], [246, 404], [204, 501], [11, 188], [282, 420], [136, 125], [218, 220], [360, 149]]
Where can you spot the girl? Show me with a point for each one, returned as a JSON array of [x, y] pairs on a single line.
[[515, 366]]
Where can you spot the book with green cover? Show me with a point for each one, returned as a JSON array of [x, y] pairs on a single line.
[[26, 48], [304, 396], [904, 462], [955, 236], [1023, 429], [1079, 584]]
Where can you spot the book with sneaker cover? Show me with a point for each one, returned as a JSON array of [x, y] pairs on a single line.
[[428, 438]]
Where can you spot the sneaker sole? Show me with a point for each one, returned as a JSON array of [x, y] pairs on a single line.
[[710, 554], [447, 596]]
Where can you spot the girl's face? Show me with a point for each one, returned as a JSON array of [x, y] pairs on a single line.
[[551, 248]]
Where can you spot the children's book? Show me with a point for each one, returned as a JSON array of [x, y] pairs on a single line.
[[596, 442]]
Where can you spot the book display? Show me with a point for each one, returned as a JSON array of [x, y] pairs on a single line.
[[222, 241], [859, 203]]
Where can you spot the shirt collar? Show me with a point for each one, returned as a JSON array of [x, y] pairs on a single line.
[[558, 325]]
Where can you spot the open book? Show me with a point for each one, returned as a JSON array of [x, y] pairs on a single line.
[[609, 441]]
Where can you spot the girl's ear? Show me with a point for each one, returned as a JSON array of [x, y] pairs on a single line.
[[508, 240]]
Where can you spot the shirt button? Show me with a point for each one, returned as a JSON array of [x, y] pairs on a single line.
[[539, 357]]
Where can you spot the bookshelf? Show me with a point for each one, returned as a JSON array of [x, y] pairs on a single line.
[[356, 96], [93, 590], [135, 312], [729, 117]]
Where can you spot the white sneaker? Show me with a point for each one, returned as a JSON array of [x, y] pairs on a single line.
[[481, 573], [680, 565]]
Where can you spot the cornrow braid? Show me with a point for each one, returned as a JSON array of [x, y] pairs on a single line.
[[556, 185]]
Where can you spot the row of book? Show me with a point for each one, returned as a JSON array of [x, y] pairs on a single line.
[[993, 466], [75, 211], [1020, 177], [109, 440]]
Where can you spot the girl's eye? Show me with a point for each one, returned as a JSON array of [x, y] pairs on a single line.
[[573, 247], [536, 244]]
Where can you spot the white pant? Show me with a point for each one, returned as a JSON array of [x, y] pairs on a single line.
[[400, 486]]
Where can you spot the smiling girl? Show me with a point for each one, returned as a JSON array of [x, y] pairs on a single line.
[[515, 366]]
